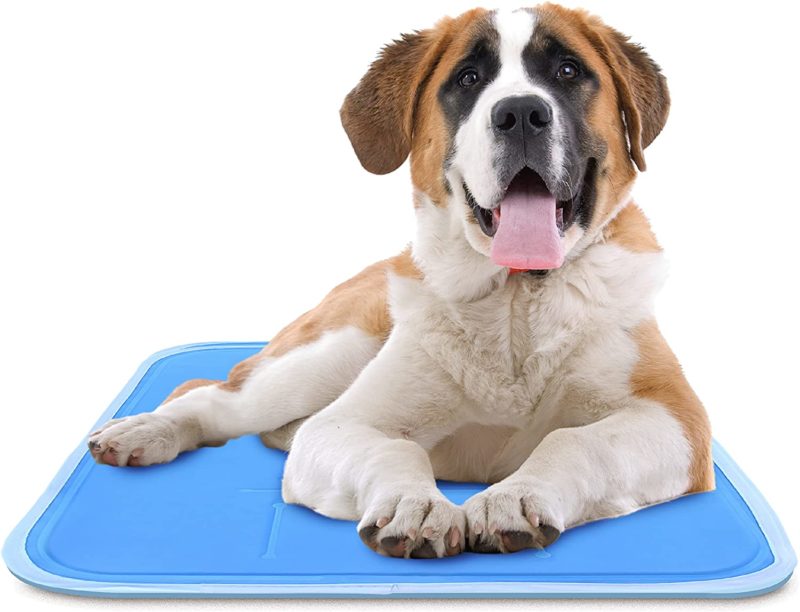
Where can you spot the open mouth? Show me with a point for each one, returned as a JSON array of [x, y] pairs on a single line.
[[528, 222]]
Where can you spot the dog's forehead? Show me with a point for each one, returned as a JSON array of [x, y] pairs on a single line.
[[508, 33], [514, 30], [503, 31]]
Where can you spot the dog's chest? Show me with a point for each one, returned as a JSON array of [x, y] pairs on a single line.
[[504, 349], [518, 351]]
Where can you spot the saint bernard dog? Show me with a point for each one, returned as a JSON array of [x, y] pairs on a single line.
[[512, 343]]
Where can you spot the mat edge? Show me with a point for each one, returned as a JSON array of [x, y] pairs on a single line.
[[748, 585]]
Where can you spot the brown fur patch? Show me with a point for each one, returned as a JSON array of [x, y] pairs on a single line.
[[360, 302], [403, 265], [189, 385], [236, 378], [641, 89], [379, 113], [630, 84], [431, 138], [631, 230], [615, 172], [658, 376], [241, 372]]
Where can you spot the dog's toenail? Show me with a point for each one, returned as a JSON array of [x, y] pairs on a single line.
[[455, 536]]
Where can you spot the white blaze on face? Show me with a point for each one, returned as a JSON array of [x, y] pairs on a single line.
[[476, 148]]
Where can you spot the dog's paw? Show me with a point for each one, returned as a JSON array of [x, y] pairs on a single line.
[[511, 516], [417, 525], [142, 439]]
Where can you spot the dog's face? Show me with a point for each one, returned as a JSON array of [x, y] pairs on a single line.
[[526, 123]]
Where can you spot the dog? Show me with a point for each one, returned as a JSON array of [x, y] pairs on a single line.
[[512, 343]]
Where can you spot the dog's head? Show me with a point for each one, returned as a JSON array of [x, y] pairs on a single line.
[[527, 125]]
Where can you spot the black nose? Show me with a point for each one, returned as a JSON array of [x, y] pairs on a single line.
[[526, 113]]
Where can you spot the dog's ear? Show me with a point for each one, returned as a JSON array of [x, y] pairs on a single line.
[[641, 88], [378, 114]]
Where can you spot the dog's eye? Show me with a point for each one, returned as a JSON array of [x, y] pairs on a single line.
[[568, 70], [468, 77]]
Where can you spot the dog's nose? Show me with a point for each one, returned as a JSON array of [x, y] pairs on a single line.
[[529, 114]]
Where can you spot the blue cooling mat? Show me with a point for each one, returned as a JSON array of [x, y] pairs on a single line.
[[212, 524]]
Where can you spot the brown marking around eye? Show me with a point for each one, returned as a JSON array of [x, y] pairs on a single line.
[[431, 140], [573, 29]]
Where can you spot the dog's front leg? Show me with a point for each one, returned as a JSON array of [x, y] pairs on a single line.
[[363, 457], [635, 457]]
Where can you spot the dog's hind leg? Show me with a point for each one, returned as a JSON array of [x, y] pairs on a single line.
[[306, 366], [277, 395]]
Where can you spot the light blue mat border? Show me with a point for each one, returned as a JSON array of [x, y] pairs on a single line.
[[757, 583]]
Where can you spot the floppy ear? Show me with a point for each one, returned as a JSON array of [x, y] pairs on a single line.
[[641, 88], [378, 114]]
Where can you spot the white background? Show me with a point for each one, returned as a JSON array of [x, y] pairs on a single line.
[[173, 172]]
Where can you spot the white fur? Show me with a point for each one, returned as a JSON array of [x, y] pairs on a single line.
[[475, 145], [459, 269], [550, 361], [579, 474]]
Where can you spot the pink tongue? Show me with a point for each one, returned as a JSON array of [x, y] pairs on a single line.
[[527, 237]]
